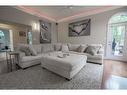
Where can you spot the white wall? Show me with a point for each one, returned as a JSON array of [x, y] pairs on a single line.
[[99, 28], [99, 24], [14, 15]]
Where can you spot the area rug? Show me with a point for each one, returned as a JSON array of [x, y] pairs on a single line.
[[90, 77]]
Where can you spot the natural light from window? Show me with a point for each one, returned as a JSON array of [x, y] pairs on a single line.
[[119, 18], [117, 28], [1, 34]]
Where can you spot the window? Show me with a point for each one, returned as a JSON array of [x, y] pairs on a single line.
[[4, 39], [118, 18], [29, 37], [1, 34], [117, 28]]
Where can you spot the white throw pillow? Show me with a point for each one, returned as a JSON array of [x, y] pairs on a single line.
[[24, 48], [65, 48], [32, 50]]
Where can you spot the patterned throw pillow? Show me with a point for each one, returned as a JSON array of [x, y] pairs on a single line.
[[93, 50], [82, 48]]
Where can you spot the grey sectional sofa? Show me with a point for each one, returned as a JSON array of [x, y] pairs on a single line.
[[30, 60]]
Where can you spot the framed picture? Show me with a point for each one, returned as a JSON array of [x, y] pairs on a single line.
[[79, 28], [22, 33], [45, 32]]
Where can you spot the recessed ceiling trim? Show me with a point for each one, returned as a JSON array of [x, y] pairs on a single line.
[[89, 12], [35, 13]]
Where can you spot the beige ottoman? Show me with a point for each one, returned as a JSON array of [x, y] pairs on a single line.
[[67, 66]]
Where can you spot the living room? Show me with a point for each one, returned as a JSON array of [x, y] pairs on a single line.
[[86, 44]]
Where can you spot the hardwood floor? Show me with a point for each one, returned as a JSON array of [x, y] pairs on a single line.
[[113, 68]]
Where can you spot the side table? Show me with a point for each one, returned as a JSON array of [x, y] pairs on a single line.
[[12, 60]]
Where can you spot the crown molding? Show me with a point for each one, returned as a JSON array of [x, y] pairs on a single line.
[[35, 12], [79, 15], [89, 12]]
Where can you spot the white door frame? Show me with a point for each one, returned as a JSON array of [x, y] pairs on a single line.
[[108, 45]]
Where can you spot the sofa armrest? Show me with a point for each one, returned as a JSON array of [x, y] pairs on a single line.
[[21, 54], [101, 51]]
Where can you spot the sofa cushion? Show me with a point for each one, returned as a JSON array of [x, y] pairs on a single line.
[[73, 47], [100, 45], [89, 56], [21, 54], [96, 57], [24, 48], [32, 50], [65, 48], [101, 51], [57, 47], [31, 58], [82, 48], [97, 45], [92, 50], [37, 48], [47, 48]]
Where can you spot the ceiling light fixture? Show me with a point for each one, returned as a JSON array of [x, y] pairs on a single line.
[[69, 7]]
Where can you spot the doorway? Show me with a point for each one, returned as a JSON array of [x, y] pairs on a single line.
[[116, 37]]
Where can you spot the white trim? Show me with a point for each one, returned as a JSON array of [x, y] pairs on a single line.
[[119, 58], [79, 15], [11, 40], [34, 12]]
